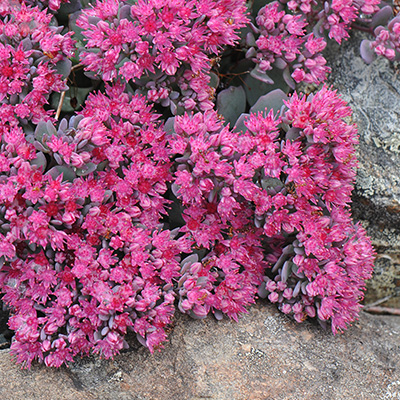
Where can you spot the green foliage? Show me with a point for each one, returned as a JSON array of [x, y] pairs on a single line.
[[231, 103]]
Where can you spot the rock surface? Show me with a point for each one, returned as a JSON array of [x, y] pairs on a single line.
[[265, 356], [373, 92]]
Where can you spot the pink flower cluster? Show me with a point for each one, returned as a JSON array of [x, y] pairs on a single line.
[[112, 218], [87, 259], [286, 190], [289, 36], [323, 266], [217, 217], [169, 40], [387, 40], [31, 52], [52, 5], [334, 17], [282, 42]]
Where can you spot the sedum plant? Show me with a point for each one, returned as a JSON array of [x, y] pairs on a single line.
[[159, 157], [284, 183]]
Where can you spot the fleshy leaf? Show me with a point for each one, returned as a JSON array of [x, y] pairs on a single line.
[[271, 183], [39, 146], [40, 160], [261, 76], [280, 63], [255, 88], [68, 173], [262, 291], [393, 22], [231, 103], [293, 133], [218, 315], [192, 258], [382, 17], [51, 130], [41, 129], [27, 44], [367, 54], [63, 67], [240, 126], [214, 80], [286, 270], [288, 78], [169, 125], [272, 100], [250, 39], [63, 125], [74, 120], [124, 12], [86, 169]]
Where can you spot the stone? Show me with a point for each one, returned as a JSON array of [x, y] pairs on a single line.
[[373, 92], [265, 356]]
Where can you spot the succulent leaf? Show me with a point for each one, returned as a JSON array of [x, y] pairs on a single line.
[[367, 54], [86, 169], [272, 100], [231, 103], [67, 173], [239, 125], [261, 76], [40, 161], [63, 67], [41, 129], [382, 17]]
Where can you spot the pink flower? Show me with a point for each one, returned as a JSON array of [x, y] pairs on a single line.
[[283, 43]]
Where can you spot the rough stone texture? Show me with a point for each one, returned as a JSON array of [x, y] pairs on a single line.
[[373, 92], [265, 356]]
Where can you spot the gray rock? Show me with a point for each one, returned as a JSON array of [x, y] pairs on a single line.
[[265, 356], [373, 92]]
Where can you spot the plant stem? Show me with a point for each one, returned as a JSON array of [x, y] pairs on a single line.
[[60, 104], [376, 303], [362, 28], [383, 310]]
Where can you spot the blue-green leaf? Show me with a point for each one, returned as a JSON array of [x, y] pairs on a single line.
[[272, 100], [214, 80], [231, 103], [256, 73], [63, 67], [367, 54], [86, 169], [240, 126], [41, 129], [68, 173], [382, 17], [40, 160]]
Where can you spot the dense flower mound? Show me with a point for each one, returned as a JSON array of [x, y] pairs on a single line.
[[282, 41], [33, 59], [112, 219], [208, 181], [171, 40], [323, 268], [87, 258], [334, 17], [285, 188], [52, 5]]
